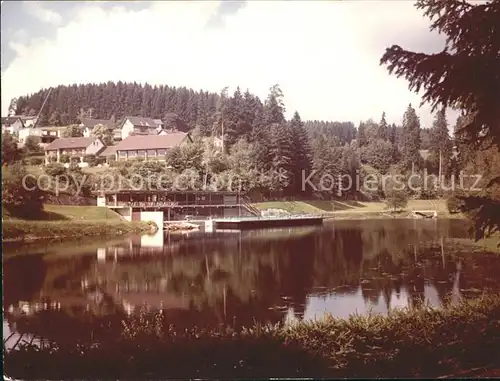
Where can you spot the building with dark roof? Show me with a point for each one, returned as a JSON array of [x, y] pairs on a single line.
[[150, 146], [78, 147], [12, 124]]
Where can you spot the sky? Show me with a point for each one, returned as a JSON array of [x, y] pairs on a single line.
[[324, 54]]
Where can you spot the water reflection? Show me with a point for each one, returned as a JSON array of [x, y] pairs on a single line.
[[237, 278]]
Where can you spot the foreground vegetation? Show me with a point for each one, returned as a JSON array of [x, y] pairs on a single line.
[[421, 342]]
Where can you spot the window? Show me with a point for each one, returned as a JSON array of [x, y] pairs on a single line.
[[162, 152], [142, 153], [151, 152], [132, 153]]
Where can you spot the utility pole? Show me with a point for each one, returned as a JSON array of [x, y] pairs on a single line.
[[222, 137], [223, 97], [440, 167], [41, 108]]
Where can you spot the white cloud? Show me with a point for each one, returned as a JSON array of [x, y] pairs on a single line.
[[325, 55], [37, 10]]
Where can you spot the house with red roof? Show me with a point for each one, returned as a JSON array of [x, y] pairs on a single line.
[[78, 147], [150, 146]]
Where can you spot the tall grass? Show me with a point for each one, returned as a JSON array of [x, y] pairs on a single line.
[[421, 342]]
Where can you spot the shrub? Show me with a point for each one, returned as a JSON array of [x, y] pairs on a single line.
[[74, 166], [416, 343], [64, 158], [91, 160], [36, 161], [32, 144], [20, 199], [454, 204], [55, 169], [100, 160], [10, 151], [395, 198], [75, 159]]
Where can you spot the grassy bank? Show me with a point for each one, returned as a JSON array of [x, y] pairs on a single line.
[[356, 209], [65, 221], [409, 343], [19, 230], [70, 213]]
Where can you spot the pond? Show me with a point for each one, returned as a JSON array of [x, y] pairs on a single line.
[[83, 290]]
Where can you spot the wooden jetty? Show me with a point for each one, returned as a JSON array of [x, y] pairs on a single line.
[[247, 223]]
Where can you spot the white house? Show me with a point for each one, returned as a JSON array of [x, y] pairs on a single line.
[[137, 125], [12, 124], [25, 132], [47, 134]]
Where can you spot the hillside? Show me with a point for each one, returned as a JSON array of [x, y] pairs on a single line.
[[185, 107], [67, 104]]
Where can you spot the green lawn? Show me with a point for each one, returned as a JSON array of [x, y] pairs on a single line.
[[81, 213], [339, 207], [71, 213]]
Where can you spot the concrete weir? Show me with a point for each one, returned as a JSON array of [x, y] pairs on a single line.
[[246, 223]]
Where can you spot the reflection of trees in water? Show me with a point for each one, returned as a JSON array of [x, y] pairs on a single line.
[[207, 282], [22, 279]]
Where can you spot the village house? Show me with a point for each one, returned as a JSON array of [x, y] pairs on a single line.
[[12, 124], [88, 126], [137, 125], [29, 121], [150, 146], [46, 134], [78, 147]]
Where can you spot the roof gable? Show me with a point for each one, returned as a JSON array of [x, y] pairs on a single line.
[[139, 121], [91, 123], [10, 120]]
